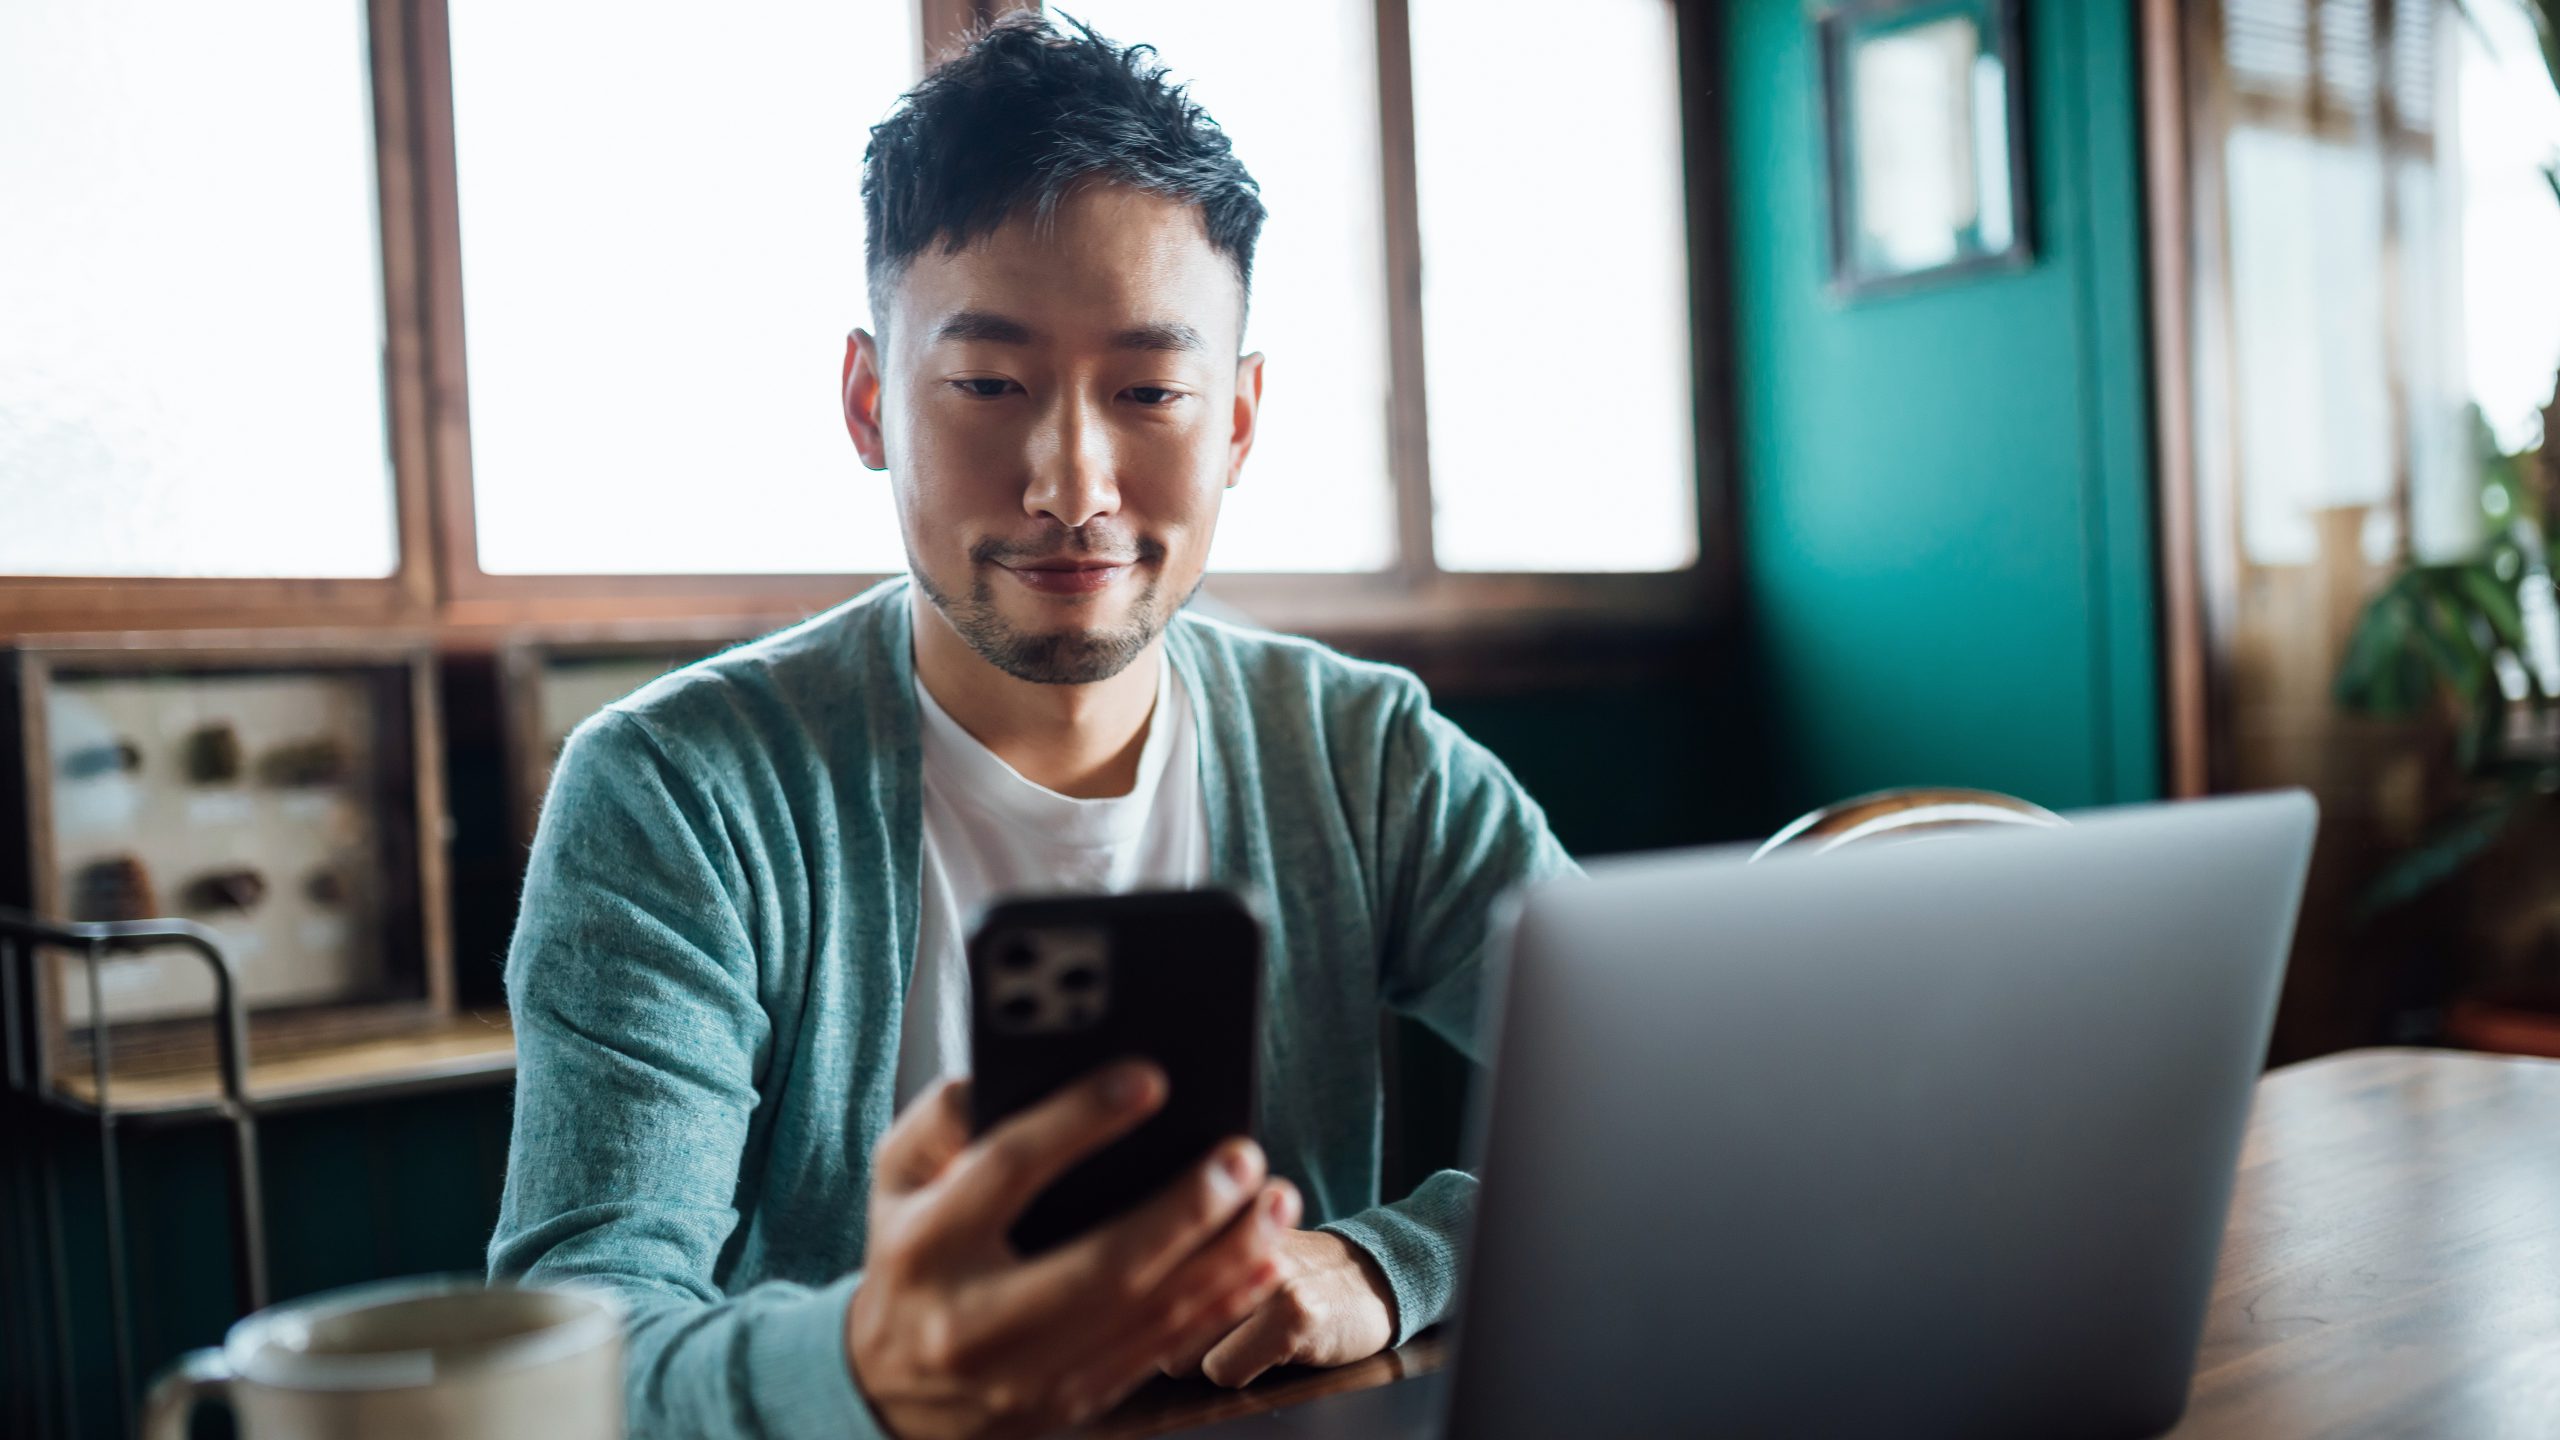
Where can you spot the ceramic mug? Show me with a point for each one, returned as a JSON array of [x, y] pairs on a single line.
[[439, 1358]]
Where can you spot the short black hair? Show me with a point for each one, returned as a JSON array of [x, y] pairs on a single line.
[[1022, 115]]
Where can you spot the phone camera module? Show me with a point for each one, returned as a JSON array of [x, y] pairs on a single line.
[[1045, 982]]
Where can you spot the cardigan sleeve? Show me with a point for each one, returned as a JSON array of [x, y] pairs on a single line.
[[1463, 833], [640, 1038]]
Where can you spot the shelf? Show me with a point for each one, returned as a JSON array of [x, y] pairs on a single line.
[[476, 1047]]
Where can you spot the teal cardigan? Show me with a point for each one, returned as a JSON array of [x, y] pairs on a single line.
[[714, 946]]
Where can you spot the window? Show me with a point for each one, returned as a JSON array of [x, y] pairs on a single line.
[[1317, 492], [1557, 340], [1522, 476], [574, 218], [2374, 326], [662, 247], [191, 364], [2372, 353], [550, 326]]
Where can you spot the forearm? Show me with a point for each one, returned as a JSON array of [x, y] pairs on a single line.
[[767, 1363], [1417, 1241]]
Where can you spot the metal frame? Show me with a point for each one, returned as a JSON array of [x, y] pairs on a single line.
[[22, 940]]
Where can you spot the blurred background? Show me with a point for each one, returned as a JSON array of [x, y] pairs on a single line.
[[1727, 408]]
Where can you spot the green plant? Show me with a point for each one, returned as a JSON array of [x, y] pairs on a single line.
[[2453, 641]]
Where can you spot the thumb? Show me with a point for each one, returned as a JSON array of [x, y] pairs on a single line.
[[926, 1137]]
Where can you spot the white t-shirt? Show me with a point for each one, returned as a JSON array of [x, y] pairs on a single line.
[[990, 833]]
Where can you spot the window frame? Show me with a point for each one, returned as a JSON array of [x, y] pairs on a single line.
[[35, 604], [2192, 103], [438, 581]]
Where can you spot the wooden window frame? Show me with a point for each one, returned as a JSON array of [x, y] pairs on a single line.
[[438, 582], [35, 604]]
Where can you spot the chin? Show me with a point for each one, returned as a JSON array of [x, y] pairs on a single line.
[[1052, 639], [1065, 657]]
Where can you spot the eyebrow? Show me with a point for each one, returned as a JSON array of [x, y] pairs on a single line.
[[1173, 336], [997, 329], [982, 325]]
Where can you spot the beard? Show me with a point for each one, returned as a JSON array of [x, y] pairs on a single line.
[[1051, 657]]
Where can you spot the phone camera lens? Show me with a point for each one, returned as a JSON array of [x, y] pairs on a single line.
[[1019, 1010], [1080, 980], [1019, 956]]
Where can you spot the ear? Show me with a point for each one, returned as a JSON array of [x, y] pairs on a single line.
[[1248, 412], [862, 399]]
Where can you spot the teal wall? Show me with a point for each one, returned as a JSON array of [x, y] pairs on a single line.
[[1946, 495]]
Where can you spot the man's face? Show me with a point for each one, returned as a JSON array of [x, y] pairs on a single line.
[[1061, 411]]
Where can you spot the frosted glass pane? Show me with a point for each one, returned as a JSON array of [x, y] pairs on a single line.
[[190, 293], [1300, 100], [2311, 349], [2510, 130], [1553, 221], [662, 250]]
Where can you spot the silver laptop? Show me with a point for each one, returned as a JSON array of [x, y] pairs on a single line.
[[1931, 1140]]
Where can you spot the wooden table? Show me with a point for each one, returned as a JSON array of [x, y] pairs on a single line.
[[2392, 1266], [2393, 1261]]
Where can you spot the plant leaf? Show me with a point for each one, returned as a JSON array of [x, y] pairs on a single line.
[[2445, 850], [2372, 677], [2496, 602], [2445, 639]]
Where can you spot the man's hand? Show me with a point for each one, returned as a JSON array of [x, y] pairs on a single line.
[[951, 1333], [1333, 1306]]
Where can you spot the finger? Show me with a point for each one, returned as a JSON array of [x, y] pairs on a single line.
[[1105, 1319], [925, 1138], [1268, 1337], [1106, 1380], [996, 1178], [1184, 1363], [1184, 1360], [1212, 1293], [1277, 1210], [1133, 1254]]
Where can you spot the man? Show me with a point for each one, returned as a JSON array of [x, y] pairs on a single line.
[[740, 947]]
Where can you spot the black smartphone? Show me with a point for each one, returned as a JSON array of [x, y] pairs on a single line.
[[1063, 985]]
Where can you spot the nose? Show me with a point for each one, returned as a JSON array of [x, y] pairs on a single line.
[[1073, 467]]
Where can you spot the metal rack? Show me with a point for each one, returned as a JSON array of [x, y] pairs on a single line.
[[36, 1106]]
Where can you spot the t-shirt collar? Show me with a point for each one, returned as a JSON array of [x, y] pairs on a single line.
[[960, 768]]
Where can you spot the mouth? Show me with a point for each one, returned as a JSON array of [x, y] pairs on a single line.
[[1068, 574]]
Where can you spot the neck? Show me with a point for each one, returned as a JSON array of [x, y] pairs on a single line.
[[1079, 740]]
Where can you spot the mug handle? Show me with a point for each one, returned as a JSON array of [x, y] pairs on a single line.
[[173, 1397]]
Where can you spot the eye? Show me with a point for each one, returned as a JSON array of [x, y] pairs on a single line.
[[982, 387], [1155, 397]]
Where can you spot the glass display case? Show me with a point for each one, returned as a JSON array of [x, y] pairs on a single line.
[[283, 792]]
